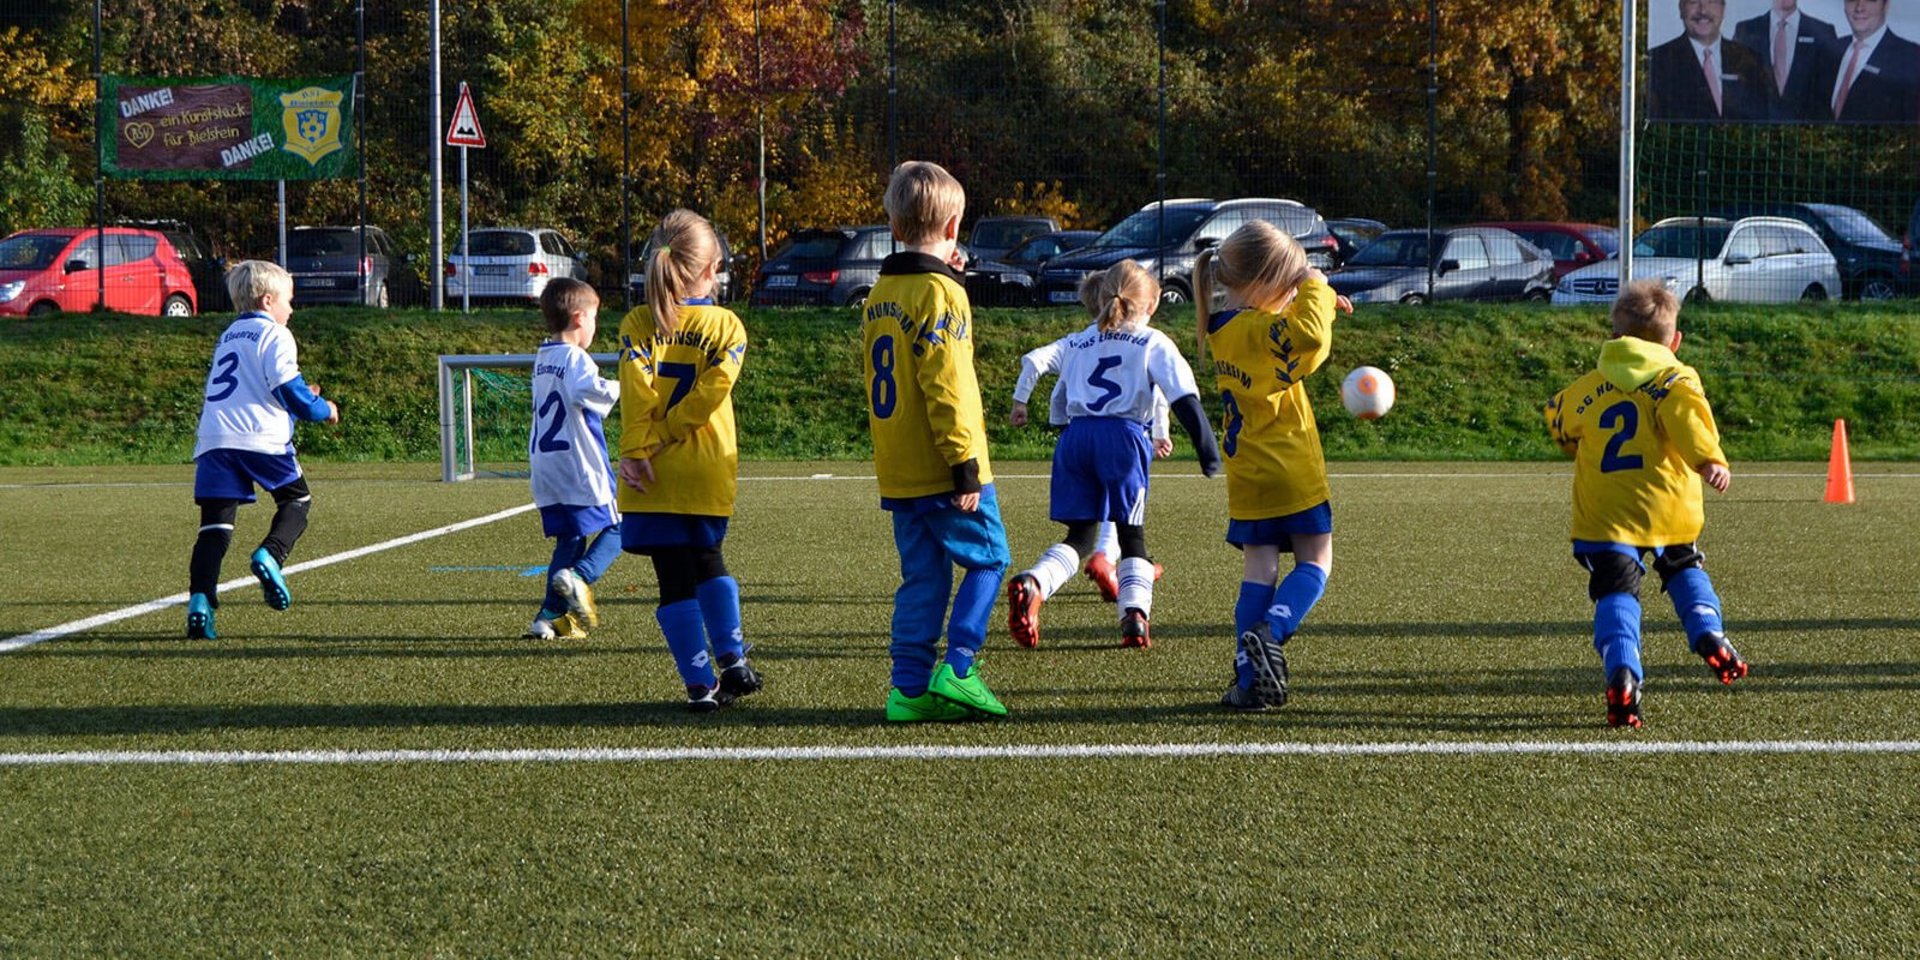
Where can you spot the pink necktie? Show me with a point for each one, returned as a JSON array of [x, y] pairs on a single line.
[[1780, 49], [1713, 78], [1853, 64]]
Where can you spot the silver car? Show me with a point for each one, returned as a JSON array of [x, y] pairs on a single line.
[[1755, 260], [512, 263]]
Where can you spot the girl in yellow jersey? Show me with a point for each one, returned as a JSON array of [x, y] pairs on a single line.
[[679, 358], [1273, 330]]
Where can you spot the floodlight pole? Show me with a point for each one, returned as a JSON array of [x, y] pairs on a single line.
[[437, 221], [99, 163], [1629, 62], [1433, 129], [626, 158]]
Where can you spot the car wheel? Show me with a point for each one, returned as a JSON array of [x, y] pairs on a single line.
[[1699, 295], [1814, 292], [177, 306], [1875, 288], [42, 309], [858, 300], [1414, 299], [1175, 295], [380, 298], [1537, 296]]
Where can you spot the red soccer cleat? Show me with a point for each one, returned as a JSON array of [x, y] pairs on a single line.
[[1023, 610], [1133, 630], [1100, 571], [1723, 659], [1623, 700]]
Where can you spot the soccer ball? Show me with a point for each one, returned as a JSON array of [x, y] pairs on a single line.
[[1367, 392]]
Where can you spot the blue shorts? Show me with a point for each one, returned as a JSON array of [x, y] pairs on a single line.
[[566, 520], [232, 474], [1280, 531], [972, 541], [1100, 471], [646, 532]]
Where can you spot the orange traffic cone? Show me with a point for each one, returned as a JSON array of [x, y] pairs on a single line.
[[1839, 467]]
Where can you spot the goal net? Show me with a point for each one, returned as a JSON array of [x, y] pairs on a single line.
[[486, 413]]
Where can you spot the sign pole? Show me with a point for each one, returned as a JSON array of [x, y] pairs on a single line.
[[283, 221], [466, 286], [465, 132]]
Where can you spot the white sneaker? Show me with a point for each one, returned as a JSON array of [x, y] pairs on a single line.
[[577, 594], [540, 630]]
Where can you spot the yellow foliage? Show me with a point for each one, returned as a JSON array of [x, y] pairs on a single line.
[[1041, 199]]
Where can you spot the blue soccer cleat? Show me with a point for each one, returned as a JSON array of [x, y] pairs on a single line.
[[200, 618], [271, 582]]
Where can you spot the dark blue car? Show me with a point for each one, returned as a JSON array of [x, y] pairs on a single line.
[[1166, 242]]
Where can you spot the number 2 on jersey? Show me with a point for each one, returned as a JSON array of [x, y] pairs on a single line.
[[885, 392], [550, 441], [1627, 416]]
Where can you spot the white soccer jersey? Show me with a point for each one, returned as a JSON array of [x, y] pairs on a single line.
[[567, 448], [1116, 374], [252, 358], [1041, 361]]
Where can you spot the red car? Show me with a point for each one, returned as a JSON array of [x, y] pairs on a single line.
[[59, 269], [1571, 245]]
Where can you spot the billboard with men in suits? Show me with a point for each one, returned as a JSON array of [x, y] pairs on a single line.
[[1783, 61]]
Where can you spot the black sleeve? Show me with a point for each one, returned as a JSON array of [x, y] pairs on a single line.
[[1194, 421], [966, 477]]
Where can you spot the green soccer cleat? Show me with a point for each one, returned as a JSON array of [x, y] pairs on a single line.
[[970, 692], [272, 584], [200, 618], [925, 708]]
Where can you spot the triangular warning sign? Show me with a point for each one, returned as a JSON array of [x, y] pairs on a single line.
[[465, 130]]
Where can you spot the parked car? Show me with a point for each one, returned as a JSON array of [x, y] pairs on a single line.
[[833, 267], [1352, 233], [1756, 260], [1869, 257], [1907, 245], [328, 267], [512, 263], [1571, 245], [995, 237], [208, 268], [1009, 281], [724, 289], [1468, 263], [60, 269], [1191, 225]]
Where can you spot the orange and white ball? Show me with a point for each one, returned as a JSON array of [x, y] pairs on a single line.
[[1367, 392]]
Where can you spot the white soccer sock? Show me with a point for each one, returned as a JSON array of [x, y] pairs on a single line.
[[1136, 585], [1109, 542], [1055, 567]]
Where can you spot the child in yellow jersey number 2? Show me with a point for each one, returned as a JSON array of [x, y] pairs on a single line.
[[679, 460], [1643, 438], [930, 454], [1274, 330]]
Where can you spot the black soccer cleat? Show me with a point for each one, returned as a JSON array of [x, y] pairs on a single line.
[[737, 680], [1243, 699], [1725, 662], [1269, 664], [1134, 631], [706, 699], [1623, 699]]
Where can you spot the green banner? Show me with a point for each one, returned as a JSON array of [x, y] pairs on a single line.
[[227, 128]]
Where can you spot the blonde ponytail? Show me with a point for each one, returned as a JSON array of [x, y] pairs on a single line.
[[1128, 293], [1202, 299], [684, 246]]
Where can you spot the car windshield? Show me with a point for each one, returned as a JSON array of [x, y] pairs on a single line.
[[1685, 240], [1005, 233], [501, 243], [1855, 227], [1608, 240], [32, 252], [323, 243], [1143, 228], [1393, 250]]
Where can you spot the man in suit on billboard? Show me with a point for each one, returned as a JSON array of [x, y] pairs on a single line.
[[1700, 75], [1873, 76], [1790, 44]]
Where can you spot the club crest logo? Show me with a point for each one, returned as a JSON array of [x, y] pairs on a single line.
[[312, 121]]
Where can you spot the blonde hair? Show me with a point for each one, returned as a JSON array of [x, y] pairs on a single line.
[[1259, 262], [1126, 297], [684, 246], [1089, 293], [1648, 310], [564, 297], [249, 281], [921, 198]]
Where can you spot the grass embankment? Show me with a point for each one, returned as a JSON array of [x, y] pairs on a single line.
[[84, 389]]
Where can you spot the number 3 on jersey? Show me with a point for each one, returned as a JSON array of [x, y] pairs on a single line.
[[1627, 416], [884, 392], [223, 377]]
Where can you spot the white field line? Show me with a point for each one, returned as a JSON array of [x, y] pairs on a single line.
[[113, 616], [928, 752]]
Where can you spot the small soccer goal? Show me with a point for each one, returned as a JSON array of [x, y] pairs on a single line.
[[486, 413]]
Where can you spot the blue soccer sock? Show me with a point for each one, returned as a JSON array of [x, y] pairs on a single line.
[[719, 600], [1255, 598], [967, 626], [1294, 598], [1616, 633], [687, 639], [1691, 591], [597, 557]]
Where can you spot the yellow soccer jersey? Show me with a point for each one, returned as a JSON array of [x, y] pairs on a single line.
[[1639, 428], [923, 401], [1267, 432], [676, 406]]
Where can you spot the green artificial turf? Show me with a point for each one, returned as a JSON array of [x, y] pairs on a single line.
[[1454, 615]]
